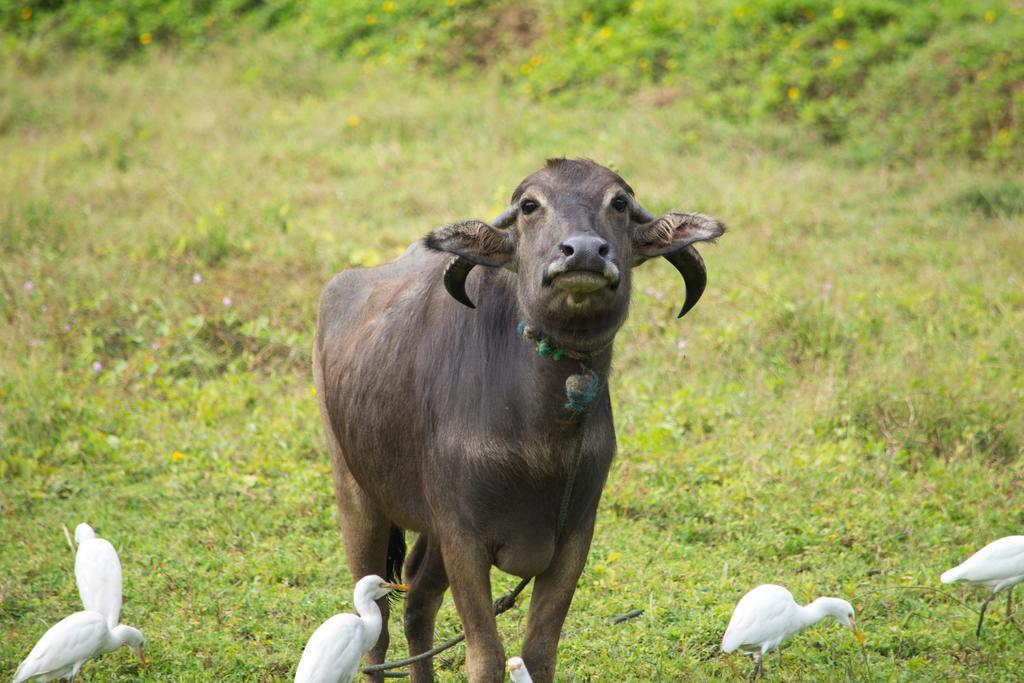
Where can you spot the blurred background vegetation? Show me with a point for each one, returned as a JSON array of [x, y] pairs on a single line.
[[892, 79]]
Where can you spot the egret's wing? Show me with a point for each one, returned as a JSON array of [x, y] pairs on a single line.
[[761, 615], [98, 575], [998, 560], [333, 652], [73, 639]]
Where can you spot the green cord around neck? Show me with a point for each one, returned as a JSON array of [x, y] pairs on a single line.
[[546, 348], [580, 389]]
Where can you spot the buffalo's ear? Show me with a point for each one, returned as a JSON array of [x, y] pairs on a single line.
[[477, 242], [673, 231]]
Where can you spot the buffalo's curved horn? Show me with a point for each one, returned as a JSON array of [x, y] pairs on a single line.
[[686, 260], [691, 266], [457, 270], [455, 274]]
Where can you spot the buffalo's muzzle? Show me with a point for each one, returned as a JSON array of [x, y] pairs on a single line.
[[584, 265]]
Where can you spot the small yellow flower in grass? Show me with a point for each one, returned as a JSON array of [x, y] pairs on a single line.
[[794, 93], [1003, 135], [177, 455], [605, 33], [841, 44], [525, 69], [353, 120], [26, 13], [371, 19], [990, 16], [838, 13], [536, 60], [637, 6], [146, 38], [312, 391], [794, 45], [389, 7], [586, 17], [671, 64], [712, 20], [836, 62]]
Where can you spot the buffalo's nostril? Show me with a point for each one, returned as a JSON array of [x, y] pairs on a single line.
[[566, 249], [602, 251]]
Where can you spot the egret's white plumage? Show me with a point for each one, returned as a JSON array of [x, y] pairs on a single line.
[[997, 566], [69, 643], [335, 649], [766, 615], [98, 574], [517, 670]]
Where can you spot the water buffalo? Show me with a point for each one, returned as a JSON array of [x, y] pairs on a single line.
[[472, 405]]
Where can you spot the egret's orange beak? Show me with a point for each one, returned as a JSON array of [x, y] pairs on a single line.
[[856, 632], [399, 587], [142, 656]]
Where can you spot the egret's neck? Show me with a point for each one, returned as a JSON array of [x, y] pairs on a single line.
[[123, 635], [816, 611], [369, 612]]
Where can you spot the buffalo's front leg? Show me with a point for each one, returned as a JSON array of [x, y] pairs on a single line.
[[469, 572], [424, 571], [552, 595]]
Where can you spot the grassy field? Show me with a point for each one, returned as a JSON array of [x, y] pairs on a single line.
[[841, 414]]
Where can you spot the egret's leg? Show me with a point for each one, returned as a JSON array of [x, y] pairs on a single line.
[[1009, 602], [984, 607], [758, 666]]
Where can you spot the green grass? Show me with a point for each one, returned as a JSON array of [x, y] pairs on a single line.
[[843, 419]]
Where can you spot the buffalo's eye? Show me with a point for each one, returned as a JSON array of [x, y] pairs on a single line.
[[528, 206], [620, 203]]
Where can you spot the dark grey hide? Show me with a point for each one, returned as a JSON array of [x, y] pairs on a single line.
[[442, 419]]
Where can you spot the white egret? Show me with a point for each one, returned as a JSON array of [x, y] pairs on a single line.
[[62, 650], [98, 574], [997, 566], [768, 614], [517, 670], [335, 649]]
